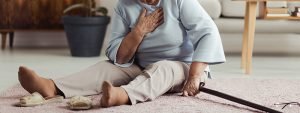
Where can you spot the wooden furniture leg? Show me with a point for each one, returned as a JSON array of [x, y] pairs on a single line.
[[252, 5], [263, 9], [245, 38], [3, 35], [11, 39]]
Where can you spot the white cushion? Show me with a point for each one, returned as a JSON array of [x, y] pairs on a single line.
[[276, 4], [212, 7], [236, 25], [234, 8]]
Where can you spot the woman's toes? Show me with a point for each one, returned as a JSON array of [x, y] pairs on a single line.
[[23, 69], [26, 74]]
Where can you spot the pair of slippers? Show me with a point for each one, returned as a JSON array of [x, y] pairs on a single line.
[[75, 103]]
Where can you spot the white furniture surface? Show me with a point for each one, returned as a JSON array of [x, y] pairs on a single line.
[[231, 18]]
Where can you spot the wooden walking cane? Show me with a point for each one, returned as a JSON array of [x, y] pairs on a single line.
[[235, 99]]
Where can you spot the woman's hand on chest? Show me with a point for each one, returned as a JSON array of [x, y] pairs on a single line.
[[148, 23]]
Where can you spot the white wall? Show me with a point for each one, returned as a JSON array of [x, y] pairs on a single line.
[[231, 43]]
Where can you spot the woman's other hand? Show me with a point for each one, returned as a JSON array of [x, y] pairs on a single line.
[[148, 23], [191, 87]]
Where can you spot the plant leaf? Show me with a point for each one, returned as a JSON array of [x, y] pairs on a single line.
[[75, 6], [102, 10]]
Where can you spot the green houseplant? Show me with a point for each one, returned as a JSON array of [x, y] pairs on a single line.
[[85, 26]]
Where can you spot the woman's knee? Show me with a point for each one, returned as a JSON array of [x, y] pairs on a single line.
[[165, 66], [165, 63], [169, 64], [106, 66], [104, 63]]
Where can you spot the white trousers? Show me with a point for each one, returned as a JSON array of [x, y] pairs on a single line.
[[140, 85]]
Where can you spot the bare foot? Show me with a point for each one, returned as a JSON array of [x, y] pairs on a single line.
[[32, 82], [113, 96]]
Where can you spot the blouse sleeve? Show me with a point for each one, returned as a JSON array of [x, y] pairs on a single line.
[[203, 33], [120, 29]]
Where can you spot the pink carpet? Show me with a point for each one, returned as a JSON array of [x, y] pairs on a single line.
[[262, 91]]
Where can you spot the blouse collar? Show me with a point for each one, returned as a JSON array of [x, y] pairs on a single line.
[[150, 8]]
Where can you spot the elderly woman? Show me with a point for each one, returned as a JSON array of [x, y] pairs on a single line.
[[156, 46]]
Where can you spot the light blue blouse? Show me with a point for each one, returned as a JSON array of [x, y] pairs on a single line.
[[188, 34]]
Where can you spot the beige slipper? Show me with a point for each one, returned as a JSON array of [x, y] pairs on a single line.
[[36, 99], [80, 103]]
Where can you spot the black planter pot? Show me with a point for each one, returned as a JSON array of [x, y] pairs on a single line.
[[85, 34]]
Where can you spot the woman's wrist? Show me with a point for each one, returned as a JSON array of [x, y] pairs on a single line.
[[137, 31], [197, 69]]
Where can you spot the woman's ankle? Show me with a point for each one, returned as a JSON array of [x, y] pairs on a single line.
[[57, 91]]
